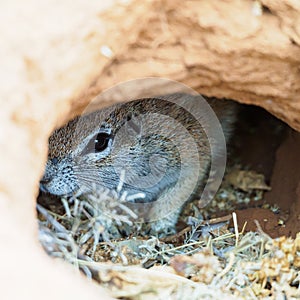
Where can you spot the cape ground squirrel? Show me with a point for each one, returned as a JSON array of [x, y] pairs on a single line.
[[150, 140]]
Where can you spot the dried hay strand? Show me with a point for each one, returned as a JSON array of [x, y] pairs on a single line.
[[207, 260]]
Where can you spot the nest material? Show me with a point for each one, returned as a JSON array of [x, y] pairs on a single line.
[[208, 259]]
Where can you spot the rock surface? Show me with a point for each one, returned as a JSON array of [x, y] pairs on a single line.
[[56, 56], [234, 49]]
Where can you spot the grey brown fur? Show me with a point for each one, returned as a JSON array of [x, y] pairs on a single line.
[[73, 165]]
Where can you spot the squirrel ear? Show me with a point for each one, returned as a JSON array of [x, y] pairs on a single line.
[[133, 125]]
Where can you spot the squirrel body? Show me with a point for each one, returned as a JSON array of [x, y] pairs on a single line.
[[149, 139]]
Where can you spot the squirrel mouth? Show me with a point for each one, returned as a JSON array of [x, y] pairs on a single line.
[[46, 187]]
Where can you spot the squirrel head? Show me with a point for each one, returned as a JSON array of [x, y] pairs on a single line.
[[143, 138]]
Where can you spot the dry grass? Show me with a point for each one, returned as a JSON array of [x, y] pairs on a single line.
[[208, 260]]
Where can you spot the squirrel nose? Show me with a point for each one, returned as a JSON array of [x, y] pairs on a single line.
[[54, 160], [44, 181]]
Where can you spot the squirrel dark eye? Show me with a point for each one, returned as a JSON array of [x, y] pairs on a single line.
[[97, 143], [101, 141]]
